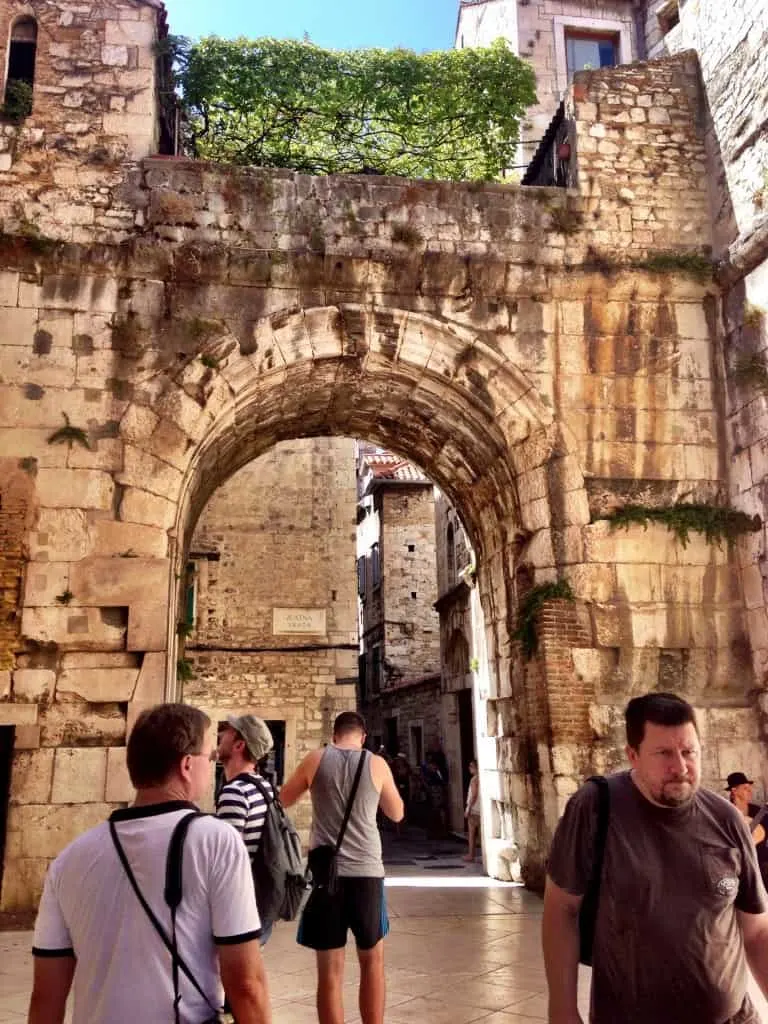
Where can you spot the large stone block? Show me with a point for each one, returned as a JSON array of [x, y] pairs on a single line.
[[148, 627], [99, 685], [83, 629], [5, 684], [23, 881], [119, 787], [79, 776], [31, 777], [150, 688], [33, 684], [45, 830], [138, 506], [129, 540], [62, 535], [44, 583], [18, 714], [110, 582], [75, 489]]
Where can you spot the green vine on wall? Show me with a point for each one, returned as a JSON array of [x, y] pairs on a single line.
[[184, 671], [716, 522], [528, 613]]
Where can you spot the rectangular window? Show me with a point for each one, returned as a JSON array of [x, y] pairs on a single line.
[[586, 51], [375, 566], [361, 576], [417, 744]]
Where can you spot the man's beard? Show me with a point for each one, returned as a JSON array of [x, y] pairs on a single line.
[[676, 799]]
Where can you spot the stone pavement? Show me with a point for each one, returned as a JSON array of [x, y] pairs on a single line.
[[463, 948]]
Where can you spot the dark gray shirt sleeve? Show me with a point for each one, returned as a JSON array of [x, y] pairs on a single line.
[[570, 857], [751, 897]]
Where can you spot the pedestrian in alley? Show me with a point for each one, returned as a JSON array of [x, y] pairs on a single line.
[[472, 811], [739, 789], [682, 908], [104, 920], [347, 785], [244, 741]]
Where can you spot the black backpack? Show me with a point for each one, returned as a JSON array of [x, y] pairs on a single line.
[[278, 868]]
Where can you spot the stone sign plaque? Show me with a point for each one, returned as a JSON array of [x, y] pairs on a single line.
[[299, 620]]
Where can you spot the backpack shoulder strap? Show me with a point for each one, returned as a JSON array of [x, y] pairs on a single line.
[[601, 829], [269, 798], [174, 860]]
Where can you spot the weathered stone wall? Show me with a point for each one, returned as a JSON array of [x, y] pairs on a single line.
[[95, 107], [527, 359], [641, 156], [409, 586], [278, 534], [731, 41]]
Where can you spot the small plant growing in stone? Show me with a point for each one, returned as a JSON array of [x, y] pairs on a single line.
[[29, 465], [474, 665], [70, 435], [526, 632], [716, 522], [184, 671], [404, 234], [201, 330], [693, 264], [18, 100], [209, 362], [566, 220], [126, 336], [184, 629], [66, 598], [754, 316], [751, 371]]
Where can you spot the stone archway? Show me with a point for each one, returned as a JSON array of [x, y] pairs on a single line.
[[438, 393]]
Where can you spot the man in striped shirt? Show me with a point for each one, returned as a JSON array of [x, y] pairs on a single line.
[[243, 741]]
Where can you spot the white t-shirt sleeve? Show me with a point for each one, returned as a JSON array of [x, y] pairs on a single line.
[[52, 936], [234, 915]]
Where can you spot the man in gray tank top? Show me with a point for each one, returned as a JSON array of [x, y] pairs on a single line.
[[357, 904]]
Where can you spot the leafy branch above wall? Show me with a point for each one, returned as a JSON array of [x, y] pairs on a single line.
[[716, 522]]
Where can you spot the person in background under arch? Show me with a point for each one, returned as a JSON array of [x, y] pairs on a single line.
[[472, 811], [739, 790]]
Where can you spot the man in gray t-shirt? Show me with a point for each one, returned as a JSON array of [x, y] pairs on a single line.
[[681, 898], [357, 901]]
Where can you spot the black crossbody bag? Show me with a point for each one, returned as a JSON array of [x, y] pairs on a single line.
[[322, 860], [173, 899]]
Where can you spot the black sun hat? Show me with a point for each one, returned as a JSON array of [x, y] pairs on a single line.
[[738, 779]]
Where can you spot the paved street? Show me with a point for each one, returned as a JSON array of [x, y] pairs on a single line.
[[463, 948]]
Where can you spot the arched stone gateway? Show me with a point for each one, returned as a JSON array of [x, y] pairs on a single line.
[[526, 347]]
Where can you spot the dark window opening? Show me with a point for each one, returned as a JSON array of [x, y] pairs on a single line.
[[411, 548], [450, 547], [376, 669], [375, 566], [22, 56], [413, 595], [7, 736], [587, 52], [361, 576]]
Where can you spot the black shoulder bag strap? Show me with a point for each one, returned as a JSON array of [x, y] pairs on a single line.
[[172, 898], [350, 802], [591, 901]]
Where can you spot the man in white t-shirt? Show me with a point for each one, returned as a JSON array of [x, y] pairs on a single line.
[[91, 926]]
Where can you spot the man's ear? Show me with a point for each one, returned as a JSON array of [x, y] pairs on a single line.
[[631, 754]]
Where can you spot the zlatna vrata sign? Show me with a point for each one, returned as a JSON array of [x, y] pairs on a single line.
[[299, 620]]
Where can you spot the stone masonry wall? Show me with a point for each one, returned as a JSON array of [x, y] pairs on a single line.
[[408, 579], [95, 109], [281, 533], [528, 359]]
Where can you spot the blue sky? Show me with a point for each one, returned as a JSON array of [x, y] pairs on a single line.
[[416, 24]]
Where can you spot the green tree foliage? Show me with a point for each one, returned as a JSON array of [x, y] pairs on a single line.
[[280, 103]]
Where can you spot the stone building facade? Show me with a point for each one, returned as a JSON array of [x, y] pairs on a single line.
[[544, 355], [399, 629], [270, 602], [462, 720]]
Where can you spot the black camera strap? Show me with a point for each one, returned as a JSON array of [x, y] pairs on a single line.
[[172, 898]]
